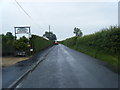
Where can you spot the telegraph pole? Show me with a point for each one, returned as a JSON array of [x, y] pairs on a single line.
[[49, 28], [49, 31]]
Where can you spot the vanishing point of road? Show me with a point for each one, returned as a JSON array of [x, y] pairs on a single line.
[[67, 68]]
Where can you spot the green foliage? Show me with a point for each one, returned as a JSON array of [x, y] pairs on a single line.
[[107, 40], [9, 36], [102, 44], [39, 43], [78, 32], [50, 36], [70, 41], [21, 44], [7, 43]]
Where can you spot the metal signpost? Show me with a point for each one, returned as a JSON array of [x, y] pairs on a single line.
[[22, 30]]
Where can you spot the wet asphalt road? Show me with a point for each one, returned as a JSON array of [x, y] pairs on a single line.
[[12, 73], [67, 68]]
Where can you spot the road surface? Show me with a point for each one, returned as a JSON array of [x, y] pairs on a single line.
[[12, 73], [67, 68]]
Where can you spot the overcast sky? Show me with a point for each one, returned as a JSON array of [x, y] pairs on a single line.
[[62, 16]]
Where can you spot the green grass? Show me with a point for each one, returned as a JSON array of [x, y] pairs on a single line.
[[101, 55]]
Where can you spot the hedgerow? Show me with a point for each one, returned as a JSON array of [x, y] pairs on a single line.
[[105, 41], [39, 43]]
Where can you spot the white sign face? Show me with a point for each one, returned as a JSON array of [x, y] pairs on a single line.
[[22, 30], [31, 50]]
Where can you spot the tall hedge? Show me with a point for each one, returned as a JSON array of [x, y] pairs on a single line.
[[39, 43], [107, 40], [102, 44]]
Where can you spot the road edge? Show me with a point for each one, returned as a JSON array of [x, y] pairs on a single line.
[[15, 83]]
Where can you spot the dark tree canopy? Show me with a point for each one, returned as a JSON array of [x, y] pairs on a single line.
[[7, 43], [50, 36]]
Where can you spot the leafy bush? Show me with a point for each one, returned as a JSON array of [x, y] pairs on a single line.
[[21, 44]]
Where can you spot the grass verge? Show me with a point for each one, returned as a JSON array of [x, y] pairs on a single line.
[[113, 62]]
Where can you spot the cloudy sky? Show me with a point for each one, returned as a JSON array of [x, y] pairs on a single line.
[[62, 16]]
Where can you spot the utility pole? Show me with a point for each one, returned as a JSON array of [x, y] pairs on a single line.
[[49, 28], [49, 31]]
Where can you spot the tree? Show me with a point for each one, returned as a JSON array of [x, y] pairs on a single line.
[[9, 36], [50, 36], [53, 37], [78, 32], [7, 43]]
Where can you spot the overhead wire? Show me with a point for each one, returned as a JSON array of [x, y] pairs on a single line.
[[23, 9], [27, 14]]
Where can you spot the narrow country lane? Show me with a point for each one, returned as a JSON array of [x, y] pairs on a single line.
[[67, 68]]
